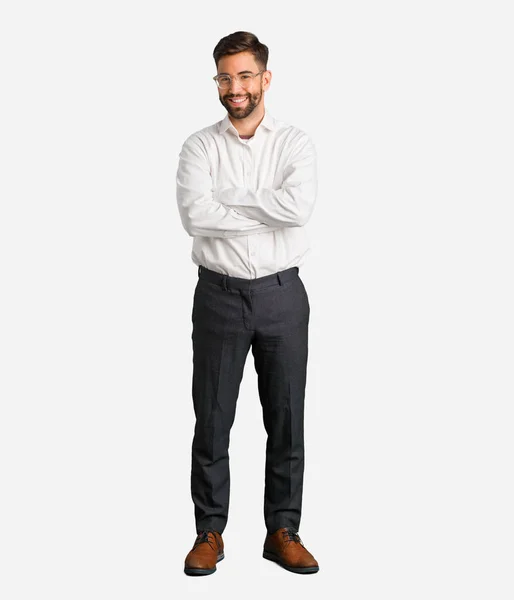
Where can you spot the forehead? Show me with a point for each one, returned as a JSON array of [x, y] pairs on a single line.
[[235, 63]]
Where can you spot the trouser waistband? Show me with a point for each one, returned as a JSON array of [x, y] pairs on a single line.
[[238, 283]]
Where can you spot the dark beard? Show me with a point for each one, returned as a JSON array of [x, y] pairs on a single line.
[[240, 113]]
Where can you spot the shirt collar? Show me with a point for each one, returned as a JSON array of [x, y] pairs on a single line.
[[268, 122]]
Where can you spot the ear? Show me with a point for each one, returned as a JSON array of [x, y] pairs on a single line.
[[266, 79]]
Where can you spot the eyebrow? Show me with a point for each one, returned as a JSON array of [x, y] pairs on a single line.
[[240, 73]]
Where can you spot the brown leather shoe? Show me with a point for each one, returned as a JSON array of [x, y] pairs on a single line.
[[286, 548], [206, 552]]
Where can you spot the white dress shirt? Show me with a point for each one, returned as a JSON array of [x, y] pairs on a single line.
[[245, 202]]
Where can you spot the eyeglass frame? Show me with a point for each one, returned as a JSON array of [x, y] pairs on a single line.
[[249, 73]]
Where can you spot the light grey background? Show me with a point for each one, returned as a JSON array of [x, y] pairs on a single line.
[[408, 483]]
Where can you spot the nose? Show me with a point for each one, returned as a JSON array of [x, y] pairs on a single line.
[[234, 86]]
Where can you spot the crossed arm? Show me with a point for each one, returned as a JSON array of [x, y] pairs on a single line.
[[242, 211]]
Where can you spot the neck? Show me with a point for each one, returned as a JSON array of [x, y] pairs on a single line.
[[249, 125]]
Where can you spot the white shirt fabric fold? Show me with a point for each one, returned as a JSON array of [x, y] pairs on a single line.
[[245, 202]]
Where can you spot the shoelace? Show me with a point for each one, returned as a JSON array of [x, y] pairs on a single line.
[[203, 536], [291, 535]]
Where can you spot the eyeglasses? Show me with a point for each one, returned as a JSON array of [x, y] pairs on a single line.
[[244, 80]]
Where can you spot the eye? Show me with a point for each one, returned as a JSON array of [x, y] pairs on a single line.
[[224, 79], [245, 76]]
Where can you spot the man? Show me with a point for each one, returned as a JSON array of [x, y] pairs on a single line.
[[245, 187]]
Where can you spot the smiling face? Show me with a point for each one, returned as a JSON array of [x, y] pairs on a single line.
[[240, 101]]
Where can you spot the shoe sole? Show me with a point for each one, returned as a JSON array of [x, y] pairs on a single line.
[[190, 571], [300, 570]]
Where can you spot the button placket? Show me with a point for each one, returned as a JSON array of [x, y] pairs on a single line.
[[243, 162], [247, 164]]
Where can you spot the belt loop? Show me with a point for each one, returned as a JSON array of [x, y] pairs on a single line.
[[224, 283], [199, 270], [279, 280]]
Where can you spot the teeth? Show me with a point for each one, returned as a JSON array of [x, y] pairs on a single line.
[[238, 100]]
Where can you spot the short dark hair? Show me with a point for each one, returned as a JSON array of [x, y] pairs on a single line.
[[242, 41]]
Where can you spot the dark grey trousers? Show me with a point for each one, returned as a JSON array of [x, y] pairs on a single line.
[[271, 315]]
